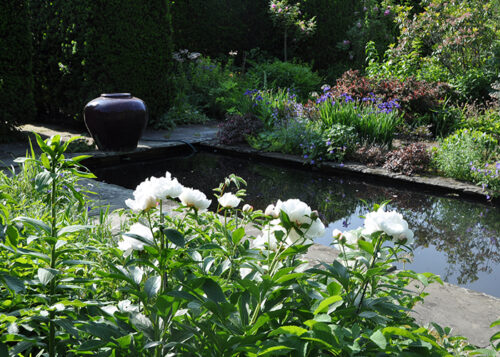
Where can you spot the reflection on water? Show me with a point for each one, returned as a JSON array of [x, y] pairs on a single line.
[[456, 239]]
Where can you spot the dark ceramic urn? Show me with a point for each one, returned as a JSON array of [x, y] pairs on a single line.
[[116, 121]]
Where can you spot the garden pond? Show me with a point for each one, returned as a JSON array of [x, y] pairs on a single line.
[[457, 239]]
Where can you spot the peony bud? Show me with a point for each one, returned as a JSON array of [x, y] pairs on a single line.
[[247, 208]]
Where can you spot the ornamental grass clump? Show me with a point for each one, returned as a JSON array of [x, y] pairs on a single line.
[[192, 282]]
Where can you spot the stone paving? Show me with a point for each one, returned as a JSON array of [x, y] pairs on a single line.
[[467, 312]]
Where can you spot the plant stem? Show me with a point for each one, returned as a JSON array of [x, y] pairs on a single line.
[[372, 263], [52, 286]]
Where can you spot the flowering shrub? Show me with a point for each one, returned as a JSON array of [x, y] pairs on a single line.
[[409, 159], [196, 283], [450, 41], [236, 128], [373, 119], [470, 155], [416, 98]]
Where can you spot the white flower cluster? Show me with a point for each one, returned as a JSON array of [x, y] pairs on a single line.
[[300, 214], [152, 190], [390, 223]]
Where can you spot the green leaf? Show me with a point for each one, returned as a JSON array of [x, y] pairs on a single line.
[[42, 180], [45, 275], [35, 223], [339, 272], [13, 283], [366, 246], [334, 288], [243, 303], [213, 291], [175, 237], [288, 277], [12, 235], [398, 331], [43, 145], [92, 345], [484, 352], [323, 305], [33, 253], [289, 330], [263, 319], [139, 238], [275, 349], [80, 158], [68, 326], [72, 229], [379, 339], [285, 220], [238, 235], [495, 323], [152, 286]]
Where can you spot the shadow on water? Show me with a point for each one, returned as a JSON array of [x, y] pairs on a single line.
[[455, 238]]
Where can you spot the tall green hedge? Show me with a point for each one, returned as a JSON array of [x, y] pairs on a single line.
[[16, 79], [129, 50], [88, 47]]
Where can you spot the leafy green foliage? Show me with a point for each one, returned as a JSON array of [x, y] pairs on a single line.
[[450, 41], [84, 49], [16, 77], [197, 283], [300, 78], [470, 155]]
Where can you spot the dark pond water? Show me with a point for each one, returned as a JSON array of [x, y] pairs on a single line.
[[455, 238]]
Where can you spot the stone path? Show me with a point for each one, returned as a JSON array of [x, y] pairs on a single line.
[[469, 313]]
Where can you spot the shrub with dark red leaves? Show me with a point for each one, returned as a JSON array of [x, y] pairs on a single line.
[[237, 127], [415, 97], [408, 160], [371, 155]]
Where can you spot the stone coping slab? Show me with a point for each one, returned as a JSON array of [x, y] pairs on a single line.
[[436, 184], [468, 313]]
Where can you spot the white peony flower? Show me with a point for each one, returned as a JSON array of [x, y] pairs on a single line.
[[300, 213], [272, 211], [297, 211], [152, 190], [228, 200], [391, 223], [194, 198], [247, 208], [129, 244], [167, 187], [144, 198]]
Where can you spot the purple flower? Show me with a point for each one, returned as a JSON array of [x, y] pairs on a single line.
[[305, 156], [328, 143], [387, 12], [347, 42], [312, 162], [498, 165], [341, 165]]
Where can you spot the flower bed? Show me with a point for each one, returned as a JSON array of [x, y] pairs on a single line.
[[195, 283]]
